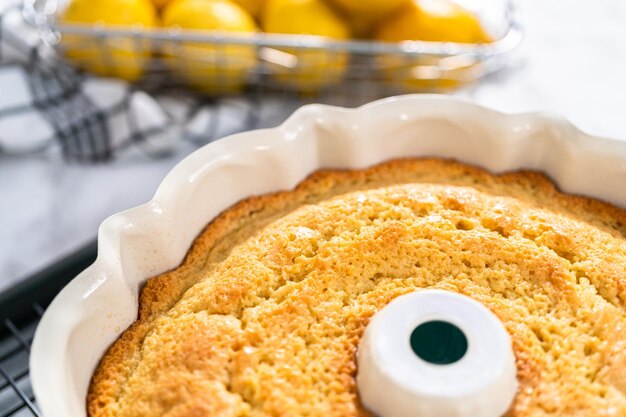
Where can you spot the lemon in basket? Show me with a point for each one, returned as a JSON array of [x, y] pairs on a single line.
[[434, 21], [213, 66], [117, 56], [253, 7], [301, 68], [363, 14], [161, 3]]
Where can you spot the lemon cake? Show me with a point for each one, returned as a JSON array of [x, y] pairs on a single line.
[[264, 315]]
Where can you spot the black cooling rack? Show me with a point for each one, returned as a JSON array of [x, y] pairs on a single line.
[[21, 308]]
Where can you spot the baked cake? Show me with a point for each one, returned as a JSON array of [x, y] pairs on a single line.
[[264, 315]]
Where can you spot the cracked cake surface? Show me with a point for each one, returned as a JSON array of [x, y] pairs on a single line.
[[264, 315]]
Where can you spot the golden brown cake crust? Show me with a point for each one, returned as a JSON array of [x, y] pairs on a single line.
[[264, 315]]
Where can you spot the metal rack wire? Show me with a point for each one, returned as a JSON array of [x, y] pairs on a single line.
[[16, 395], [21, 308]]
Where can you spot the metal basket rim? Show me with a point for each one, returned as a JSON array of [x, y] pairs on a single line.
[[48, 25]]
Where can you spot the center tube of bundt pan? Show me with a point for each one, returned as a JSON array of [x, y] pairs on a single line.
[[435, 353]]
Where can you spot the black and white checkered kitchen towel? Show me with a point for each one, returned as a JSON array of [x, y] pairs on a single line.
[[48, 108]]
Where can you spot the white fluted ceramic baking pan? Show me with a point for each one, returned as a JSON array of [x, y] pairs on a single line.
[[92, 311]]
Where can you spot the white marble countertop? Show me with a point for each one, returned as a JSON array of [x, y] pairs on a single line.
[[571, 62]]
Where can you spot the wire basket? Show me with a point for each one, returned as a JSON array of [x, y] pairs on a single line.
[[219, 63]]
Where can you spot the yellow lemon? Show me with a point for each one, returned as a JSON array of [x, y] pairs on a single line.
[[161, 3], [432, 20], [115, 56], [361, 26], [302, 69], [253, 7], [369, 7], [215, 68], [364, 14], [435, 21]]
